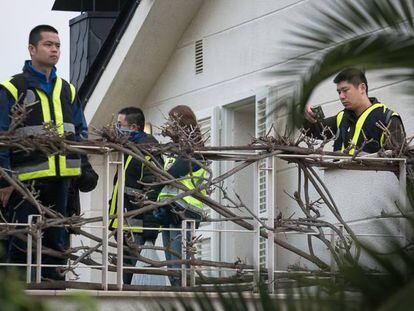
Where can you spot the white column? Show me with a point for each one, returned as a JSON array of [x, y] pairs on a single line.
[[256, 228], [270, 204], [120, 218]]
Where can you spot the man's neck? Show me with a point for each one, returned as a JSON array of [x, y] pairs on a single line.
[[366, 103], [46, 70]]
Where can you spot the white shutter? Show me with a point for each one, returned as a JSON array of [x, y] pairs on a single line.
[[262, 252], [261, 130], [205, 128]]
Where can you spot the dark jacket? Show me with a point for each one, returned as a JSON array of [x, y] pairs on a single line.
[[344, 133], [86, 182], [137, 171], [32, 81]]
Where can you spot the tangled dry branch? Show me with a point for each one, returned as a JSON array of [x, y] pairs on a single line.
[[303, 151]]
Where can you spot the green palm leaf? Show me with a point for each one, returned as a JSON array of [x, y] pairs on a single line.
[[375, 34]]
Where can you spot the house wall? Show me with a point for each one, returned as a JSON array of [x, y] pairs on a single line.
[[243, 40]]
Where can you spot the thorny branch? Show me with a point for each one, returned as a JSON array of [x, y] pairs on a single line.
[[188, 146]]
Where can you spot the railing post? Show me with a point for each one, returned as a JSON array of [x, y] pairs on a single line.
[[39, 253], [256, 229], [29, 251], [38, 233], [120, 218], [105, 221], [270, 203], [333, 265], [403, 184], [192, 236], [184, 253], [402, 178]]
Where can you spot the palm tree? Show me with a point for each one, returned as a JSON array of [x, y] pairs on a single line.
[[370, 34]]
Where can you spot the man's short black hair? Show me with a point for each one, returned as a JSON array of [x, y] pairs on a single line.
[[353, 76], [134, 115], [35, 33]]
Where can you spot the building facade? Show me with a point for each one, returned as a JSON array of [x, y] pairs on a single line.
[[217, 58]]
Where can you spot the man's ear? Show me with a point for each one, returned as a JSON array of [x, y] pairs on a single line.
[[135, 127], [32, 49], [363, 88]]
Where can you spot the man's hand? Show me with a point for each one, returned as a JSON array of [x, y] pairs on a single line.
[[309, 114], [5, 194]]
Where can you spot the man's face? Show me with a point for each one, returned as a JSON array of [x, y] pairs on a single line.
[[47, 51], [123, 125], [122, 122], [351, 96]]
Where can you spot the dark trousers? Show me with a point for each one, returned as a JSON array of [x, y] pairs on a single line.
[[52, 193]]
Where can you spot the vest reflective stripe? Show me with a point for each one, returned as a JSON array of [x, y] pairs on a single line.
[[193, 180], [57, 105], [39, 167], [35, 171], [360, 123], [45, 106], [112, 209], [66, 167], [40, 170], [40, 129], [113, 223], [72, 93], [338, 123], [69, 167], [11, 88]]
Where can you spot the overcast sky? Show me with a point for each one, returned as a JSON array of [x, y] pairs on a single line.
[[17, 18]]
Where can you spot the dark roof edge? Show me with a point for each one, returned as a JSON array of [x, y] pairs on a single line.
[[107, 50]]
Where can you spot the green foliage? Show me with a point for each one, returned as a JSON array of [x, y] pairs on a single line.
[[13, 297], [376, 34]]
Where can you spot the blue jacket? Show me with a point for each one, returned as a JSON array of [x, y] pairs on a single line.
[[36, 79]]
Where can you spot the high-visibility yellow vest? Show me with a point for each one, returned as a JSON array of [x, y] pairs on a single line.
[[44, 109], [113, 223], [193, 180], [361, 122]]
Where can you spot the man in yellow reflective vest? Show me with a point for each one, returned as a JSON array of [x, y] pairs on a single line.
[[49, 100], [356, 127], [131, 122]]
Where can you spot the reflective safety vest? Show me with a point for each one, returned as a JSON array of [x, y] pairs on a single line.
[[44, 109], [193, 180], [113, 223], [365, 125]]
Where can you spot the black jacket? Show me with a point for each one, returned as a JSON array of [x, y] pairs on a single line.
[[137, 171], [343, 135]]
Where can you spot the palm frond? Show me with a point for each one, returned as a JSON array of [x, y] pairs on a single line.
[[337, 21], [382, 50], [376, 34]]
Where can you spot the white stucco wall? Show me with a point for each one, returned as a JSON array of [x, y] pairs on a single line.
[[242, 40]]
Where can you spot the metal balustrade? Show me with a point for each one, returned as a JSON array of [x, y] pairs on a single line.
[[190, 226]]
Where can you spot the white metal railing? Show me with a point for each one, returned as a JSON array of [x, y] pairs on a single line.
[[189, 226]]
